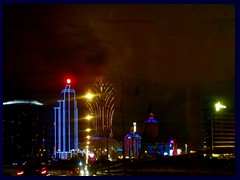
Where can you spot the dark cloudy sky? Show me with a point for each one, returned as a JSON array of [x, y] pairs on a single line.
[[170, 57]]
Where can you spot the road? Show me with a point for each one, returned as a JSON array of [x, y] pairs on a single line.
[[173, 166]]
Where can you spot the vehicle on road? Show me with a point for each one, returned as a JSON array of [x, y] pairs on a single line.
[[33, 169], [64, 168]]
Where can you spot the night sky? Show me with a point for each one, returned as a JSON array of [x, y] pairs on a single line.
[[169, 57]]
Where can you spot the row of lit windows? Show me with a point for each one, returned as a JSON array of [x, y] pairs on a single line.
[[225, 146], [223, 138], [224, 142], [222, 134], [227, 121]]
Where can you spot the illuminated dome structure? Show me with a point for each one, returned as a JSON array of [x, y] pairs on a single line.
[[151, 127], [132, 143]]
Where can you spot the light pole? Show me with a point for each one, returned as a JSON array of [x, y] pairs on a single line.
[[123, 127], [108, 170], [88, 96], [87, 146]]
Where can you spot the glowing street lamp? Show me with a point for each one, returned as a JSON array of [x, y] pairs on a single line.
[[88, 130], [89, 96], [88, 117], [87, 154], [218, 106]]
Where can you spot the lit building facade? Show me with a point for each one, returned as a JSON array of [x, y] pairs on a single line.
[[150, 134], [102, 107], [151, 145], [132, 143], [151, 128], [219, 129], [66, 124], [223, 132]]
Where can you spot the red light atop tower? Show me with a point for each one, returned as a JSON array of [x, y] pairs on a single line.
[[68, 81]]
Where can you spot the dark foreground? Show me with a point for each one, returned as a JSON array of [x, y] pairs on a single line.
[[170, 166], [190, 165]]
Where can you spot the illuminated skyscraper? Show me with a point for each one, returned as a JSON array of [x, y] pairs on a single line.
[[219, 128], [66, 124], [102, 108]]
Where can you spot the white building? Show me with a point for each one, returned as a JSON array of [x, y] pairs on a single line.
[[66, 124]]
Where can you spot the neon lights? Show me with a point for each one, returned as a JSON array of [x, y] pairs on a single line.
[[23, 102], [179, 151], [103, 106], [66, 121], [132, 144], [134, 127]]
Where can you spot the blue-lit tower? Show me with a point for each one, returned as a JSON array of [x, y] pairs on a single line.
[[66, 124], [150, 136], [152, 128]]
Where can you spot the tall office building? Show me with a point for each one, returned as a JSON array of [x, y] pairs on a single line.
[[219, 129], [66, 124], [223, 132], [24, 131]]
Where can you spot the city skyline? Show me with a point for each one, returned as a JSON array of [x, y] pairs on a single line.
[[168, 57]]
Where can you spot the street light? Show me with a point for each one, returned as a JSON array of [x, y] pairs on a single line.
[[88, 117], [103, 108], [88, 130], [218, 106], [87, 154], [89, 96]]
